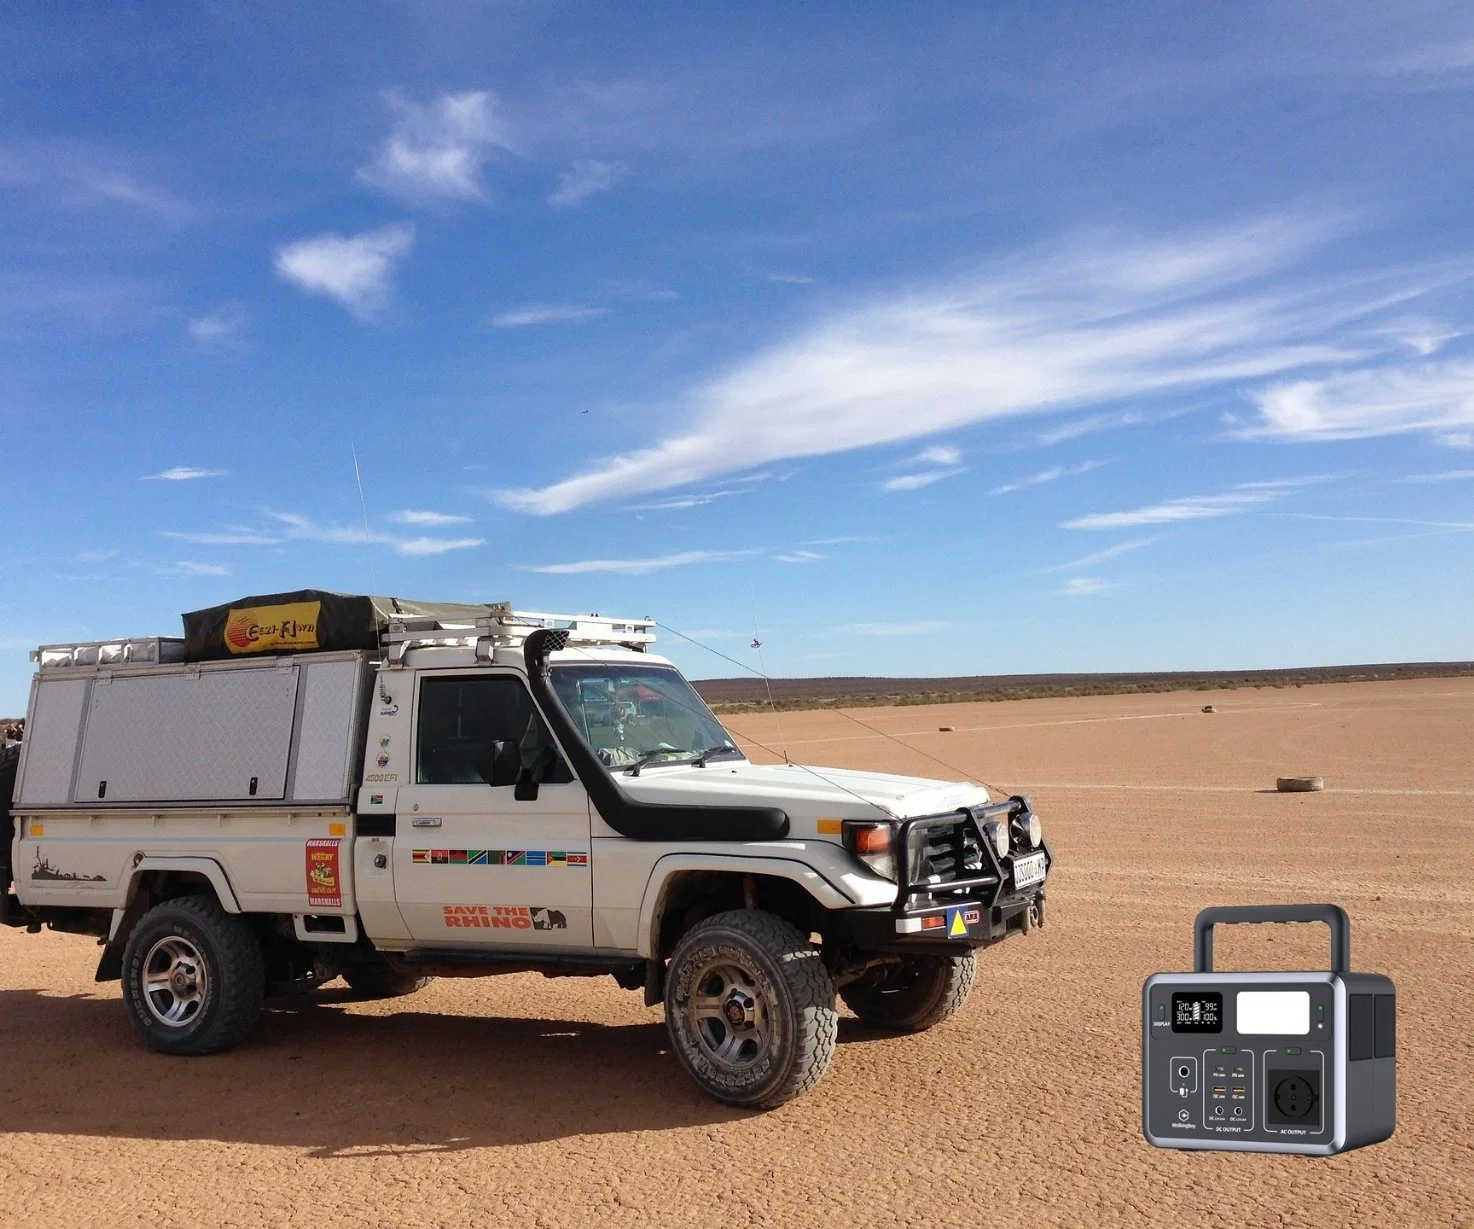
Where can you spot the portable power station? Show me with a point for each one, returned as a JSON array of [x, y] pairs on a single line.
[[1269, 1062]]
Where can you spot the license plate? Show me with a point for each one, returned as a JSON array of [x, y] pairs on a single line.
[[1028, 870]]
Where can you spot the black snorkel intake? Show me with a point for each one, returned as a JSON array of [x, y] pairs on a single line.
[[640, 821]]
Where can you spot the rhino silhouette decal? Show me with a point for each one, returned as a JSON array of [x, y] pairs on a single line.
[[548, 919]]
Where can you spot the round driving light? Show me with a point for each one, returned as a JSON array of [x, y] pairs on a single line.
[[1032, 829], [997, 835]]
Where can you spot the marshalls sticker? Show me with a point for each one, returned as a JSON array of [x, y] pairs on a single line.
[[324, 883]]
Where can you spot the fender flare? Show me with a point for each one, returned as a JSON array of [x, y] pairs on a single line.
[[651, 907], [110, 964], [208, 867]]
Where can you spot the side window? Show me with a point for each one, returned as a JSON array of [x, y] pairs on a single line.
[[461, 719]]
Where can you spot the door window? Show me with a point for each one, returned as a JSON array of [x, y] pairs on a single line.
[[463, 719]]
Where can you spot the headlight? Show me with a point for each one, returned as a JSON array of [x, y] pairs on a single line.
[[874, 844], [1030, 829], [997, 836]]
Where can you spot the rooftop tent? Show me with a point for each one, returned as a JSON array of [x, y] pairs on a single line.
[[309, 620]]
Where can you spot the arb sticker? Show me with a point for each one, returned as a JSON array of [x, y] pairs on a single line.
[[261, 629], [324, 883]]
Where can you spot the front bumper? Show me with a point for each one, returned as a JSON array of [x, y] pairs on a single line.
[[953, 891]]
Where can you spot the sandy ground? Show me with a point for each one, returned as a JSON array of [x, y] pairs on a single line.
[[525, 1101]]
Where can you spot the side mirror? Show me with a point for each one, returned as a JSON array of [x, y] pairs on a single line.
[[506, 762]]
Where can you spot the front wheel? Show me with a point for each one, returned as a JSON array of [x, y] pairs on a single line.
[[750, 1009], [193, 977], [913, 994]]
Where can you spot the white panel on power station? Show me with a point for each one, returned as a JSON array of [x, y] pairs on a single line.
[[1273, 1013]]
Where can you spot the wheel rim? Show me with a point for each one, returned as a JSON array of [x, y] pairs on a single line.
[[730, 1015], [174, 981]]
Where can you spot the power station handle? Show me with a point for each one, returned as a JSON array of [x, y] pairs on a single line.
[[1231, 915]]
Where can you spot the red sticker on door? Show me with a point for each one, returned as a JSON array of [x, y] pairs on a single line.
[[324, 887]]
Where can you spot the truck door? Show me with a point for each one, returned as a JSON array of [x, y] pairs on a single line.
[[492, 832]]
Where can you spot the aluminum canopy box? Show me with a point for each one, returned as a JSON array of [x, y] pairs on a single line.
[[278, 730]]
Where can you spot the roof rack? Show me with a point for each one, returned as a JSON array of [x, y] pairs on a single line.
[[136, 651], [506, 628]]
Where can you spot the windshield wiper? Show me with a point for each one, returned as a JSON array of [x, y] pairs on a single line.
[[723, 749], [649, 757]]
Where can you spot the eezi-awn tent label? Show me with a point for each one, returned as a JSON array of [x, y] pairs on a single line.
[[260, 629]]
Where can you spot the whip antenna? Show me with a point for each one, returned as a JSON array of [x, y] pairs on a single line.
[[363, 507], [757, 645]]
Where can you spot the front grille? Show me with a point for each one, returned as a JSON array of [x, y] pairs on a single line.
[[951, 853]]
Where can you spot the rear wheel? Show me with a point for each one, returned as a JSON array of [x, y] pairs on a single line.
[[193, 977], [914, 994], [379, 981], [750, 1009]]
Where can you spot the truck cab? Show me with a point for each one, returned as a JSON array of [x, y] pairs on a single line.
[[499, 792]]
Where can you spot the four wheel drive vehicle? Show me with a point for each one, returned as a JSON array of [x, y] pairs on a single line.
[[311, 785]]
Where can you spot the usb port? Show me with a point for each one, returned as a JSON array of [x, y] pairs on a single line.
[[1238, 1071], [1239, 1091], [1220, 1091], [1223, 1071]]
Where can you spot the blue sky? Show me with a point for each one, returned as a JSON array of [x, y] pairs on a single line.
[[958, 339]]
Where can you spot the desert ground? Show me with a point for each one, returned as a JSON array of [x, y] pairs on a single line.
[[532, 1102]]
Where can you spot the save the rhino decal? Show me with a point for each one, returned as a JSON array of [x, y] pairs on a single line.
[[504, 917]]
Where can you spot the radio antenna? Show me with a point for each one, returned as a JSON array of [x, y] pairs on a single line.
[[363, 507], [757, 645]]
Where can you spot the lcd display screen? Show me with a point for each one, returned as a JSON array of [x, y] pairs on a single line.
[[1197, 1013], [1274, 1013]]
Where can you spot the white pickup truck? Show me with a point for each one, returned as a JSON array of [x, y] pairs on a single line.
[[252, 811]]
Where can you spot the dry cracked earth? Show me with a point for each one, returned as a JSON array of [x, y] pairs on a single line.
[[533, 1102]]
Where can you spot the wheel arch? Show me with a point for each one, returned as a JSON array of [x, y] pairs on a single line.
[[713, 883], [151, 881]]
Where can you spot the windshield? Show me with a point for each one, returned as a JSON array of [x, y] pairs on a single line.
[[639, 714]]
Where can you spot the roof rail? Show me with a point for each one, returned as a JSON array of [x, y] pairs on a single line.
[[507, 628], [133, 651]]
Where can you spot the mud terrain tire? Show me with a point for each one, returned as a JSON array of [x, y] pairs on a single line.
[[379, 981], [914, 995], [750, 1009], [193, 977]]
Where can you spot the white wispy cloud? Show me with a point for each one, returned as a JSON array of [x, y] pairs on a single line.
[[239, 537], [1046, 476], [1448, 475], [841, 540], [636, 567], [1435, 59], [698, 499], [410, 516], [220, 330], [1241, 498], [186, 567], [916, 627], [353, 269], [1083, 586], [435, 546], [1389, 400], [437, 150], [914, 482], [82, 175], [1087, 325], [799, 556], [790, 279], [547, 313], [183, 473], [1100, 556], [583, 180], [1089, 425], [1190, 508], [941, 454]]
